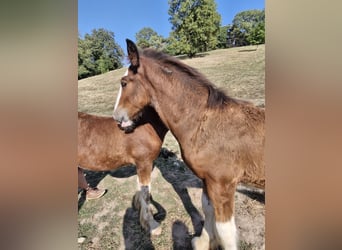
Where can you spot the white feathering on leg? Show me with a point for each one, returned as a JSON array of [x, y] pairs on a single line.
[[227, 233]]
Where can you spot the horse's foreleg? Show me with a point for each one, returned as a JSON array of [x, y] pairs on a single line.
[[203, 241], [222, 196], [141, 201], [227, 233], [219, 226]]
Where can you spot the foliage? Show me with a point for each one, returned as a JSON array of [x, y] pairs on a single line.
[[148, 38], [195, 26], [223, 37], [257, 34], [98, 53], [248, 28], [173, 46]]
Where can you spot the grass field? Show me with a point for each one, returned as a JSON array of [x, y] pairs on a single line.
[[111, 222]]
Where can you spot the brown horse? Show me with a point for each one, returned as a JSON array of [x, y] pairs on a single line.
[[221, 138], [103, 146]]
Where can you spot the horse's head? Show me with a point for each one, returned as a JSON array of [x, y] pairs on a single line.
[[132, 96]]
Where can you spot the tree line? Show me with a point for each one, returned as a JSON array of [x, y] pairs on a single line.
[[98, 53], [196, 27]]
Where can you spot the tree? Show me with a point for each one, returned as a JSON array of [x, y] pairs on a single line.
[[248, 28], [148, 38], [195, 25], [173, 46], [86, 66], [223, 37], [257, 34], [98, 53]]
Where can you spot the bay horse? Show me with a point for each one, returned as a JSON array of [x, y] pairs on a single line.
[[103, 146], [221, 138]]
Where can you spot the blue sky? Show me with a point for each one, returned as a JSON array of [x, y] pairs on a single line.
[[126, 17]]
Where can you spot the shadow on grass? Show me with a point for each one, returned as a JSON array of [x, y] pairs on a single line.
[[181, 177], [181, 236], [247, 50], [253, 194], [94, 178], [202, 54], [134, 235], [123, 172]]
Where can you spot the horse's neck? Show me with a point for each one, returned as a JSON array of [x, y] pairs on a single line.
[[182, 112], [152, 117]]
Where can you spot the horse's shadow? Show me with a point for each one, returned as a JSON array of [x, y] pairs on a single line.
[[94, 178], [181, 236], [252, 193], [181, 177], [135, 236]]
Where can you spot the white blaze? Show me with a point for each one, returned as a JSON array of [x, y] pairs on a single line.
[[119, 93], [118, 98]]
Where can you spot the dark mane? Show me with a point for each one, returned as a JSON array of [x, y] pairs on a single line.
[[216, 97]]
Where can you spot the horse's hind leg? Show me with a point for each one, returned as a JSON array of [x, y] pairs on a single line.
[[141, 200]]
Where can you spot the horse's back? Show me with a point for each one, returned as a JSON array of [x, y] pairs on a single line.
[[249, 144], [235, 134], [102, 145]]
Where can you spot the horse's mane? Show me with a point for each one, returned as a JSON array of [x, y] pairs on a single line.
[[216, 97]]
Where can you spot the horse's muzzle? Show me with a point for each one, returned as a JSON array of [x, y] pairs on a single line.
[[123, 121]]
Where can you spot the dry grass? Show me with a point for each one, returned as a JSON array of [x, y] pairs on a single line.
[[111, 222], [239, 71], [97, 94]]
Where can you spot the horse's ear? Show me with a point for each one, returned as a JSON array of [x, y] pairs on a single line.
[[133, 54]]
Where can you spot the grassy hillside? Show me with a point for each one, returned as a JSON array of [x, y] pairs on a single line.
[[239, 71]]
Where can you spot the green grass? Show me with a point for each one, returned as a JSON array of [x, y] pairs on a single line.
[[110, 222]]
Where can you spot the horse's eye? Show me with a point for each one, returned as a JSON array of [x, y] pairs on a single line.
[[123, 84]]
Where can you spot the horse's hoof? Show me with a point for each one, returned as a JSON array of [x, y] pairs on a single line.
[[155, 228], [198, 244], [156, 231]]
